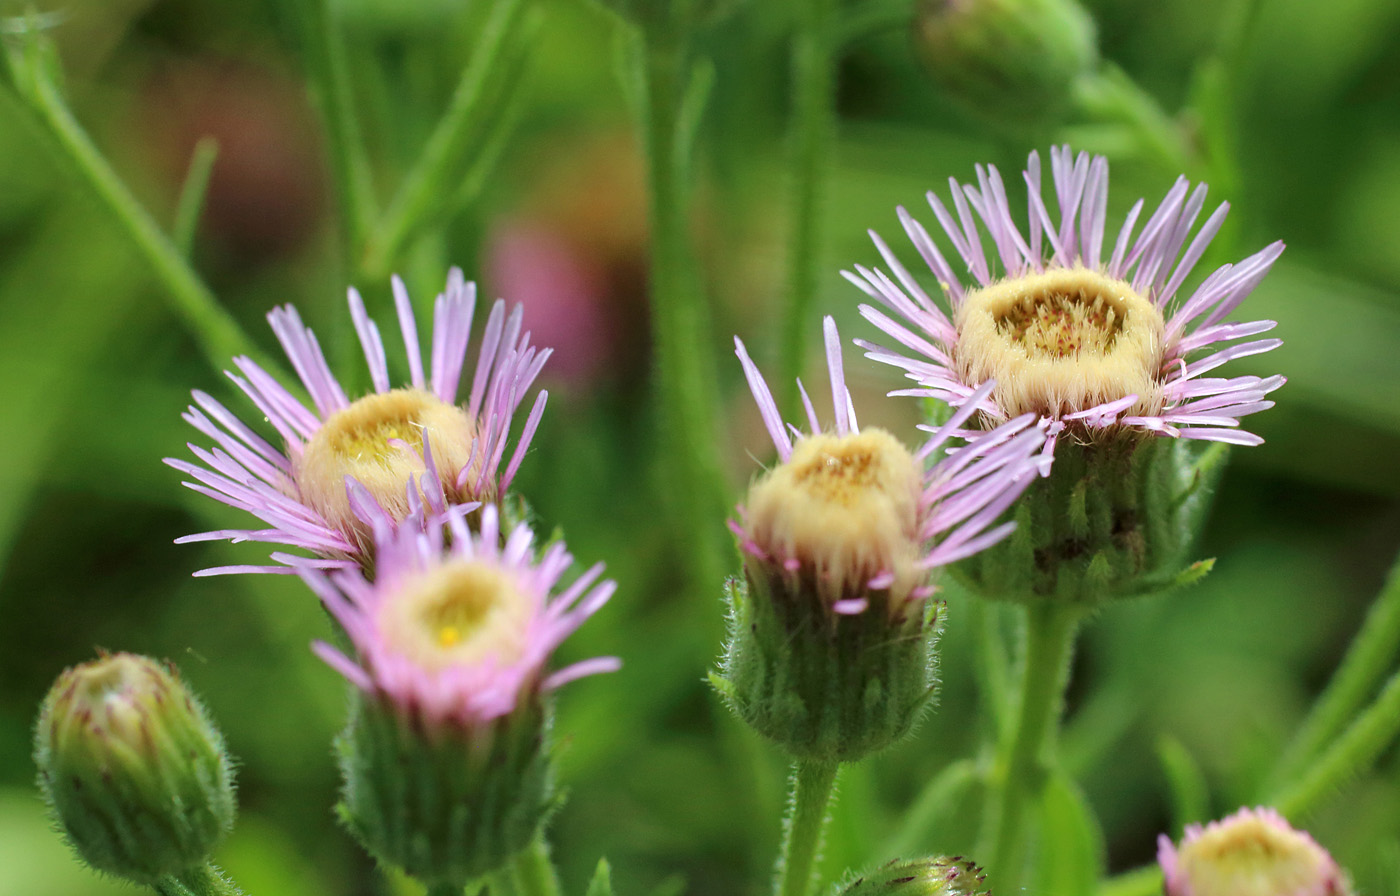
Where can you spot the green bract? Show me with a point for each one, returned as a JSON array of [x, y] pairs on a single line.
[[446, 802], [822, 685], [1115, 518]]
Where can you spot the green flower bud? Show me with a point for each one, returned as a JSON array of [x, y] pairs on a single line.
[[447, 802], [1115, 518], [133, 769], [941, 876], [1012, 60]]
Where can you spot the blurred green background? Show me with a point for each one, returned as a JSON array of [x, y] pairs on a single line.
[[96, 371]]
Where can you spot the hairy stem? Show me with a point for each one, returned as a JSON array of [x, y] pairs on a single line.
[[812, 785]]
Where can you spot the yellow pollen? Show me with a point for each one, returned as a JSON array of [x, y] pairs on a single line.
[[378, 441], [458, 613], [846, 507], [1062, 341]]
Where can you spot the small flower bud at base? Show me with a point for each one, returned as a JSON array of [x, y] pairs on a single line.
[[941, 876], [445, 802], [133, 769]]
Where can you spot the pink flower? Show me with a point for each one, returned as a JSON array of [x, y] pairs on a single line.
[[853, 512], [458, 633], [1089, 342], [395, 455]]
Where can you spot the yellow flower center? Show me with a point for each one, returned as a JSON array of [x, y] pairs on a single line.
[[1062, 341], [459, 613], [378, 441], [1255, 857], [846, 507]]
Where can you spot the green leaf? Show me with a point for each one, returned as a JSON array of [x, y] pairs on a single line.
[[1071, 847], [1187, 783], [601, 884]]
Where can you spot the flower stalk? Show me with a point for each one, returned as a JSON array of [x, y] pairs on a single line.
[[813, 782], [1050, 634], [663, 76], [329, 73], [422, 188], [33, 68], [811, 132]]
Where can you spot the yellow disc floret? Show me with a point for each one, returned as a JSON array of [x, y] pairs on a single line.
[[1062, 341], [845, 508], [378, 441], [457, 614]]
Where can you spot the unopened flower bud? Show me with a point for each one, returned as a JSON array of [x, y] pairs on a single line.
[[1251, 853], [1012, 60], [133, 769], [940, 876]]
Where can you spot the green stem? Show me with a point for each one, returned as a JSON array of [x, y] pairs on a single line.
[[1349, 756], [680, 325], [1111, 95], [329, 73], [812, 785], [218, 335], [991, 666], [422, 188], [934, 801], [444, 890], [1368, 658], [534, 873], [192, 195], [1050, 633], [205, 880], [812, 132]]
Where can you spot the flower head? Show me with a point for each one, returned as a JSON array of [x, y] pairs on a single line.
[[832, 636], [853, 511], [1251, 853], [1093, 344], [459, 634], [395, 454]]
